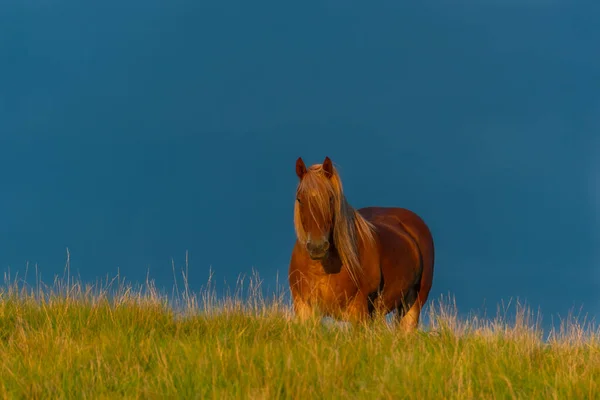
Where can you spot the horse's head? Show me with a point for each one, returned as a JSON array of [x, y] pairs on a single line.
[[317, 198]]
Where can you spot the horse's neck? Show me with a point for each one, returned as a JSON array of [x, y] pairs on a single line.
[[350, 222], [353, 231]]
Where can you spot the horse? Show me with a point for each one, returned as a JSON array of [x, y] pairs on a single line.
[[353, 264]]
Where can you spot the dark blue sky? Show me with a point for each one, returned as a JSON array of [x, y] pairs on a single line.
[[132, 131]]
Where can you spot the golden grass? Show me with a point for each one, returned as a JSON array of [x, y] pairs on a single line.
[[114, 341]]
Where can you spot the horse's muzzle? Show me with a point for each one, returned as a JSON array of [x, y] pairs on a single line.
[[317, 250]]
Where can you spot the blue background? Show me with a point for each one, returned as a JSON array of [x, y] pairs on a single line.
[[132, 131]]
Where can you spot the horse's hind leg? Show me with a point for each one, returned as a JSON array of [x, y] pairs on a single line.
[[409, 320], [408, 313]]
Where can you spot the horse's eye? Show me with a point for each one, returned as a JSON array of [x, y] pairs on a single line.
[[298, 200]]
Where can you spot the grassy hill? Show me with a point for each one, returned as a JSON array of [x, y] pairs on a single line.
[[71, 341]]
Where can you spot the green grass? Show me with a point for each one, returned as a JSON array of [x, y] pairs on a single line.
[[71, 341]]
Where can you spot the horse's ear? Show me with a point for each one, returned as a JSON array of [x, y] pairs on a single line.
[[328, 167], [300, 168]]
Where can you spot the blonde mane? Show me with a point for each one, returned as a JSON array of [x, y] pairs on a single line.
[[349, 226]]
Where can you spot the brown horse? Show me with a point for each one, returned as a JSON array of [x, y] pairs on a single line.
[[352, 264]]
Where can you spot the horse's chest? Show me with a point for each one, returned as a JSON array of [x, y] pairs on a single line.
[[332, 293]]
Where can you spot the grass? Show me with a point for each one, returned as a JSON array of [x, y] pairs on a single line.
[[117, 341]]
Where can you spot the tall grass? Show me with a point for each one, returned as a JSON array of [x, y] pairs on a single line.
[[115, 340]]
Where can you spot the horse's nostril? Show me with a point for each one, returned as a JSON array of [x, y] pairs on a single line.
[[319, 247]]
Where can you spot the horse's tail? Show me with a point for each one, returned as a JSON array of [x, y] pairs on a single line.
[[421, 234], [428, 255]]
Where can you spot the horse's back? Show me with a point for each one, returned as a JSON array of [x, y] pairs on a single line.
[[408, 221]]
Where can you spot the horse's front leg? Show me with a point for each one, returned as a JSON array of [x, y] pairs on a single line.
[[302, 310], [357, 311]]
